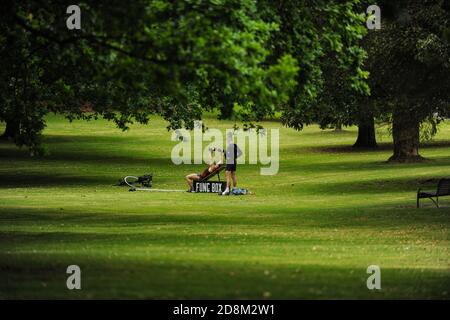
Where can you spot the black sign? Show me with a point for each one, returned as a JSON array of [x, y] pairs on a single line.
[[210, 186]]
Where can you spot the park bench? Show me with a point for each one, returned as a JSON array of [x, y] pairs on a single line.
[[206, 186], [443, 189]]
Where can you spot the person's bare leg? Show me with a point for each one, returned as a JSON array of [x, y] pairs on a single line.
[[189, 181], [228, 175], [190, 178], [233, 175]]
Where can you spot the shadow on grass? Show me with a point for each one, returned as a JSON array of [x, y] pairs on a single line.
[[374, 186], [50, 180], [70, 177], [353, 167], [68, 220], [382, 147], [114, 274], [329, 132], [84, 157]]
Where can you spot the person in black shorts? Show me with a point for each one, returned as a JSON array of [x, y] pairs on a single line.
[[232, 153]]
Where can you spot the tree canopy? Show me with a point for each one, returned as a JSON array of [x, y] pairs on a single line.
[[308, 60], [173, 58], [159, 57]]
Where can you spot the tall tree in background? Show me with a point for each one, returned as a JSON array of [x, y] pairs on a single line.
[[324, 37], [338, 104], [409, 63]]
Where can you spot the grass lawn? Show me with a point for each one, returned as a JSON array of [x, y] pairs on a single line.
[[309, 232]]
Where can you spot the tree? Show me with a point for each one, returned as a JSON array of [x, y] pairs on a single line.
[[366, 132], [173, 58], [337, 104], [133, 59], [334, 92], [324, 37], [409, 62]]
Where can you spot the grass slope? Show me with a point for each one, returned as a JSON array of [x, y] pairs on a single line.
[[309, 232]]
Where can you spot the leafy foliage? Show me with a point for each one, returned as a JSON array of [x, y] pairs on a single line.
[[317, 34], [409, 62], [133, 59]]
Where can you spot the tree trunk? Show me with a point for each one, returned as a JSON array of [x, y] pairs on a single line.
[[405, 132], [226, 110], [366, 134], [11, 130], [338, 127]]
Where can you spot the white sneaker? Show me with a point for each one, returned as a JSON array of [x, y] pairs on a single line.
[[226, 192]]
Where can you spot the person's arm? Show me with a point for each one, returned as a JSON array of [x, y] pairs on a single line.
[[222, 155], [213, 167], [210, 159], [238, 152]]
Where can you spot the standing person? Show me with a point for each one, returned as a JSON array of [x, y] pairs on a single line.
[[232, 153]]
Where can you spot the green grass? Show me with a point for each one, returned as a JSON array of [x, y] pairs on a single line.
[[309, 232]]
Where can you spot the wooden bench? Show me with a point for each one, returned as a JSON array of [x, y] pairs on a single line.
[[443, 189]]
